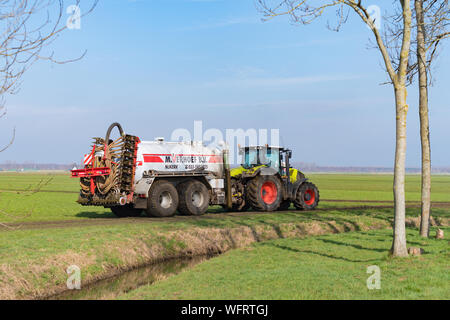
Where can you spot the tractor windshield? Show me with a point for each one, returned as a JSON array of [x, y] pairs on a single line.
[[250, 158], [264, 156]]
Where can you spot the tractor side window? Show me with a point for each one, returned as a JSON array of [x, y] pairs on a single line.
[[282, 164], [270, 157]]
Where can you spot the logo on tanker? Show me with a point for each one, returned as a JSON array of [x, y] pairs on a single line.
[[185, 159]]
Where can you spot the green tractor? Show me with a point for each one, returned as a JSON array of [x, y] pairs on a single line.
[[266, 182]]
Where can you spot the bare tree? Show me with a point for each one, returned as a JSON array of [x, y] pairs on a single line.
[[430, 25], [305, 12], [28, 27], [432, 18]]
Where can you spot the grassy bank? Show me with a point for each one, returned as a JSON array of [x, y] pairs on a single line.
[[322, 267], [33, 262]]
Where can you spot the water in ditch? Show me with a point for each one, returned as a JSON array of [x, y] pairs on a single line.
[[113, 287]]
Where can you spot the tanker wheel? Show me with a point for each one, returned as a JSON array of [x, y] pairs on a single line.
[[162, 199], [307, 197], [194, 198], [264, 193], [284, 205], [126, 211]]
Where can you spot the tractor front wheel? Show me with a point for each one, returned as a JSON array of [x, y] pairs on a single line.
[[264, 193], [307, 197]]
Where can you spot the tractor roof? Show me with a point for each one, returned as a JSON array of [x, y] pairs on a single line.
[[262, 147]]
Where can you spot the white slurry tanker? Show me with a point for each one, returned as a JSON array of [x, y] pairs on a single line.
[[131, 176]]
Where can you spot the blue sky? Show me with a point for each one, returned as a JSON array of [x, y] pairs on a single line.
[[158, 65]]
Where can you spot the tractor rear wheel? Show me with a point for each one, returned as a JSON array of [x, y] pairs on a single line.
[[194, 198], [264, 193], [307, 197], [126, 211], [162, 199]]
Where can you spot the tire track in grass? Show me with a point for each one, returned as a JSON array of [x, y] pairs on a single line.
[[443, 203], [57, 224]]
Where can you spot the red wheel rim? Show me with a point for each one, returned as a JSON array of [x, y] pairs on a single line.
[[269, 192], [309, 197]]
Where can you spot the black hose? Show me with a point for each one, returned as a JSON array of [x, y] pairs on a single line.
[[108, 133]]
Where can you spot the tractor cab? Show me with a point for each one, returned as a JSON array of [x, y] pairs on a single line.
[[273, 157]]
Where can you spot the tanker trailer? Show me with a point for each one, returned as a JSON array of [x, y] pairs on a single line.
[[129, 176]]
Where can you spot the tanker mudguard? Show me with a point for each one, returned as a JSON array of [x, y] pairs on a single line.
[[143, 186]]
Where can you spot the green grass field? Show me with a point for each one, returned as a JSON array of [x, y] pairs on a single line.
[[33, 260], [322, 267], [45, 205], [377, 187]]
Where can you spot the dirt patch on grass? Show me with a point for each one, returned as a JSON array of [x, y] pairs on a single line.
[[61, 224], [47, 276], [435, 222]]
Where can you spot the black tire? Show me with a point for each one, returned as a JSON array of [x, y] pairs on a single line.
[[307, 197], [284, 205], [236, 208], [194, 198], [264, 193], [126, 211], [162, 199]]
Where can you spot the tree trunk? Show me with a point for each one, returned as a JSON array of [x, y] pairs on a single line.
[[401, 111], [399, 242], [424, 121]]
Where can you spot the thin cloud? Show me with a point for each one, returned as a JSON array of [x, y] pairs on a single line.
[[27, 111], [221, 24], [308, 103], [306, 44], [204, 0], [280, 81]]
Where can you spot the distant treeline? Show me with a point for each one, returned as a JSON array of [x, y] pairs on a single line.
[[12, 166], [311, 167], [306, 167]]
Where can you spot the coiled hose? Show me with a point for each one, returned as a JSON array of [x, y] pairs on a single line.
[[112, 153]]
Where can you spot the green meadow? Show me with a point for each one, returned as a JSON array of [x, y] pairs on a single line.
[[320, 254], [56, 194]]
